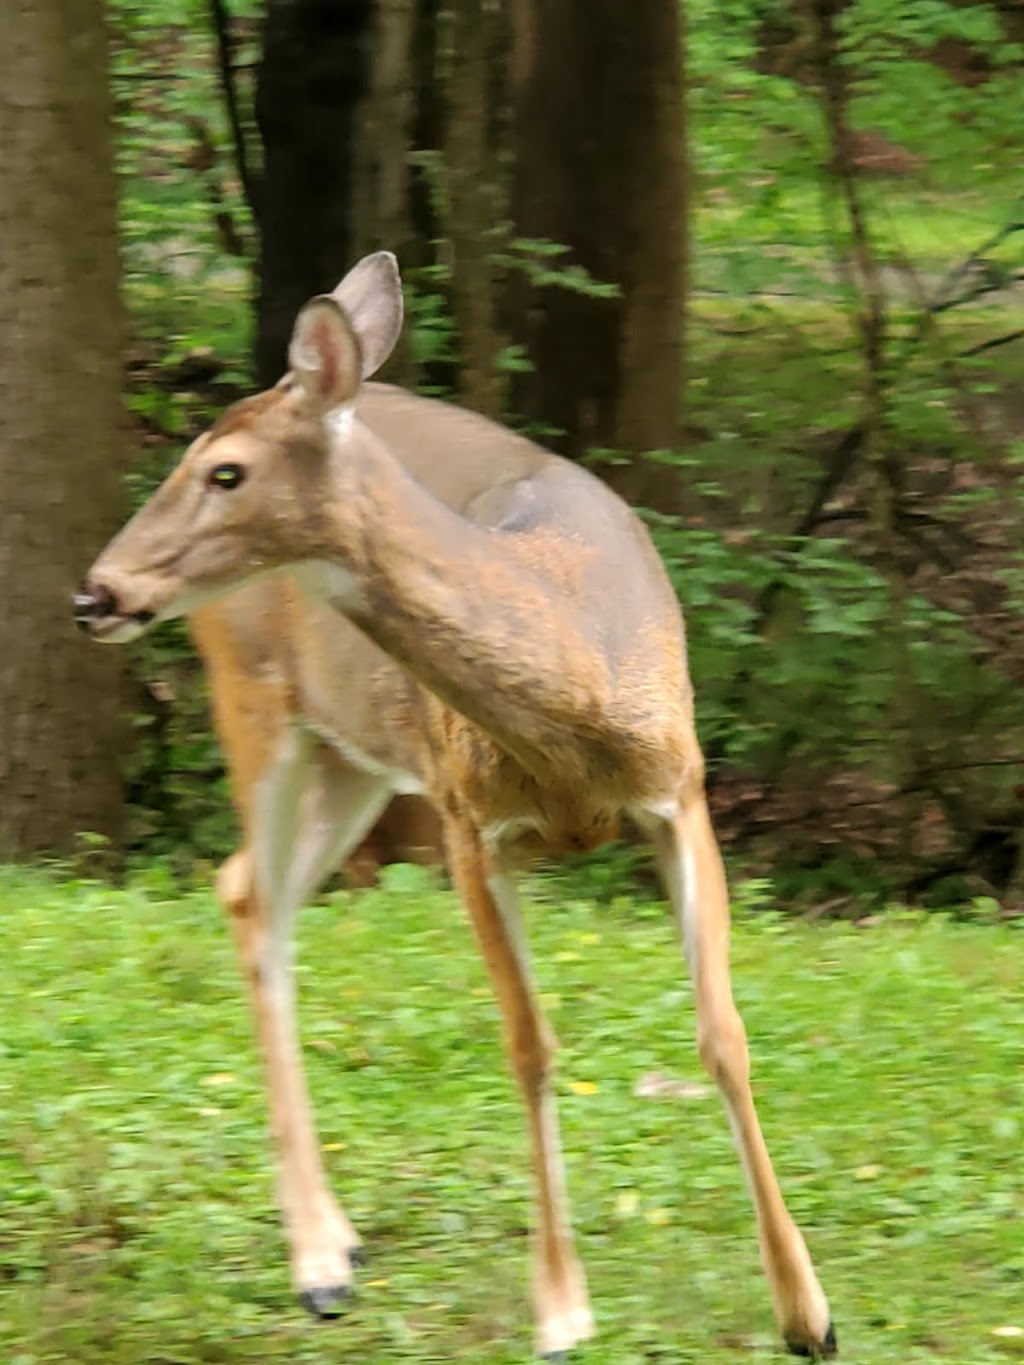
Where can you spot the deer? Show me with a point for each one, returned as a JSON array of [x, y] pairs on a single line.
[[392, 594]]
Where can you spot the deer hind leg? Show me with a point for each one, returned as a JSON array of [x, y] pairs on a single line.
[[309, 812], [691, 866], [561, 1305]]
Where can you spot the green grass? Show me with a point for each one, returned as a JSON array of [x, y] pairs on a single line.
[[137, 1223]]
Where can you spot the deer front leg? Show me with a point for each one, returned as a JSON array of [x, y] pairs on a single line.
[[561, 1305], [308, 819], [691, 865]]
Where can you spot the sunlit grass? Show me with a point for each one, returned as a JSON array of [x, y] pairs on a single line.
[[137, 1223]]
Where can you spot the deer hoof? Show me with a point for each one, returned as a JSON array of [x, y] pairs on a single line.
[[816, 1350], [357, 1257], [326, 1301]]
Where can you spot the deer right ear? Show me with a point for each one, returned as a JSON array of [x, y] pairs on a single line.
[[325, 355], [371, 295]]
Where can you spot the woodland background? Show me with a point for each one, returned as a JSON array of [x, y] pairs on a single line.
[[759, 263]]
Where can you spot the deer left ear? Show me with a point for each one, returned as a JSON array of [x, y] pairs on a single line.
[[324, 353]]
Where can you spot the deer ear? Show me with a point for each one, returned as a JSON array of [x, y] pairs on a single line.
[[371, 295], [324, 353]]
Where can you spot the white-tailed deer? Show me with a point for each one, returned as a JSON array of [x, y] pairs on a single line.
[[463, 614]]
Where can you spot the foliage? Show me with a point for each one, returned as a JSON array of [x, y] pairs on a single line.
[[189, 355], [138, 1219], [810, 690], [857, 691], [759, 141], [183, 284], [845, 688]]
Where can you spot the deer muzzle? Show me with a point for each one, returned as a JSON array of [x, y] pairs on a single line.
[[98, 613]]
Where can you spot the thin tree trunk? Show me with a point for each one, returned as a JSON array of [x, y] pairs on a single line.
[[476, 195], [381, 216], [61, 735], [865, 271]]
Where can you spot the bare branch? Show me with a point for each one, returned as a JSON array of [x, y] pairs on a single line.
[[991, 344], [226, 67]]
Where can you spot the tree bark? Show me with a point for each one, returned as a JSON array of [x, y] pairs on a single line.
[[335, 103], [381, 161], [61, 736], [315, 72], [476, 195], [600, 168]]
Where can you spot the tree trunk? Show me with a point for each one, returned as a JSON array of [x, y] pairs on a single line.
[[339, 92], [381, 160], [61, 737], [600, 168], [476, 197], [315, 71]]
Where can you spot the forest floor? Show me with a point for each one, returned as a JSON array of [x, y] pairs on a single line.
[[137, 1225]]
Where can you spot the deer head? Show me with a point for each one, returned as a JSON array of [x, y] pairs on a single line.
[[248, 495]]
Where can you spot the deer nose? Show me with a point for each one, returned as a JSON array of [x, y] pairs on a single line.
[[92, 602]]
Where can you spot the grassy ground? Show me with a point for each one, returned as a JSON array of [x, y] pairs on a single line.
[[137, 1228]]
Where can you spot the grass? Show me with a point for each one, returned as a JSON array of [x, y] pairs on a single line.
[[137, 1224]]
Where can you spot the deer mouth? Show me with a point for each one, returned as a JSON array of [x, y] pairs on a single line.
[[113, 630], [97, 615]]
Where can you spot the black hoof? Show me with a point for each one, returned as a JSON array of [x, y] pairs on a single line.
[[326, 1301], [357, 1257], [825, 1351]]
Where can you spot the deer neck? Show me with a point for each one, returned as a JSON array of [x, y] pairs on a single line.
[[447, 598]]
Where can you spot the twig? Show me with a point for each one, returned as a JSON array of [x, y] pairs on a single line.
[[204, 162], [926, 326], [941, 768], [987, 286], [872, 320], [976, 256], [923, 787], [168, 77], [990, 345], [226, 67], [838, 463]]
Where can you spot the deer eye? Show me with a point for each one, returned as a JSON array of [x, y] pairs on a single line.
[[226, 476]]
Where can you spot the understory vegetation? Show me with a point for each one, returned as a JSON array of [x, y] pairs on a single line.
[[139, 1224], [842, 518]]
